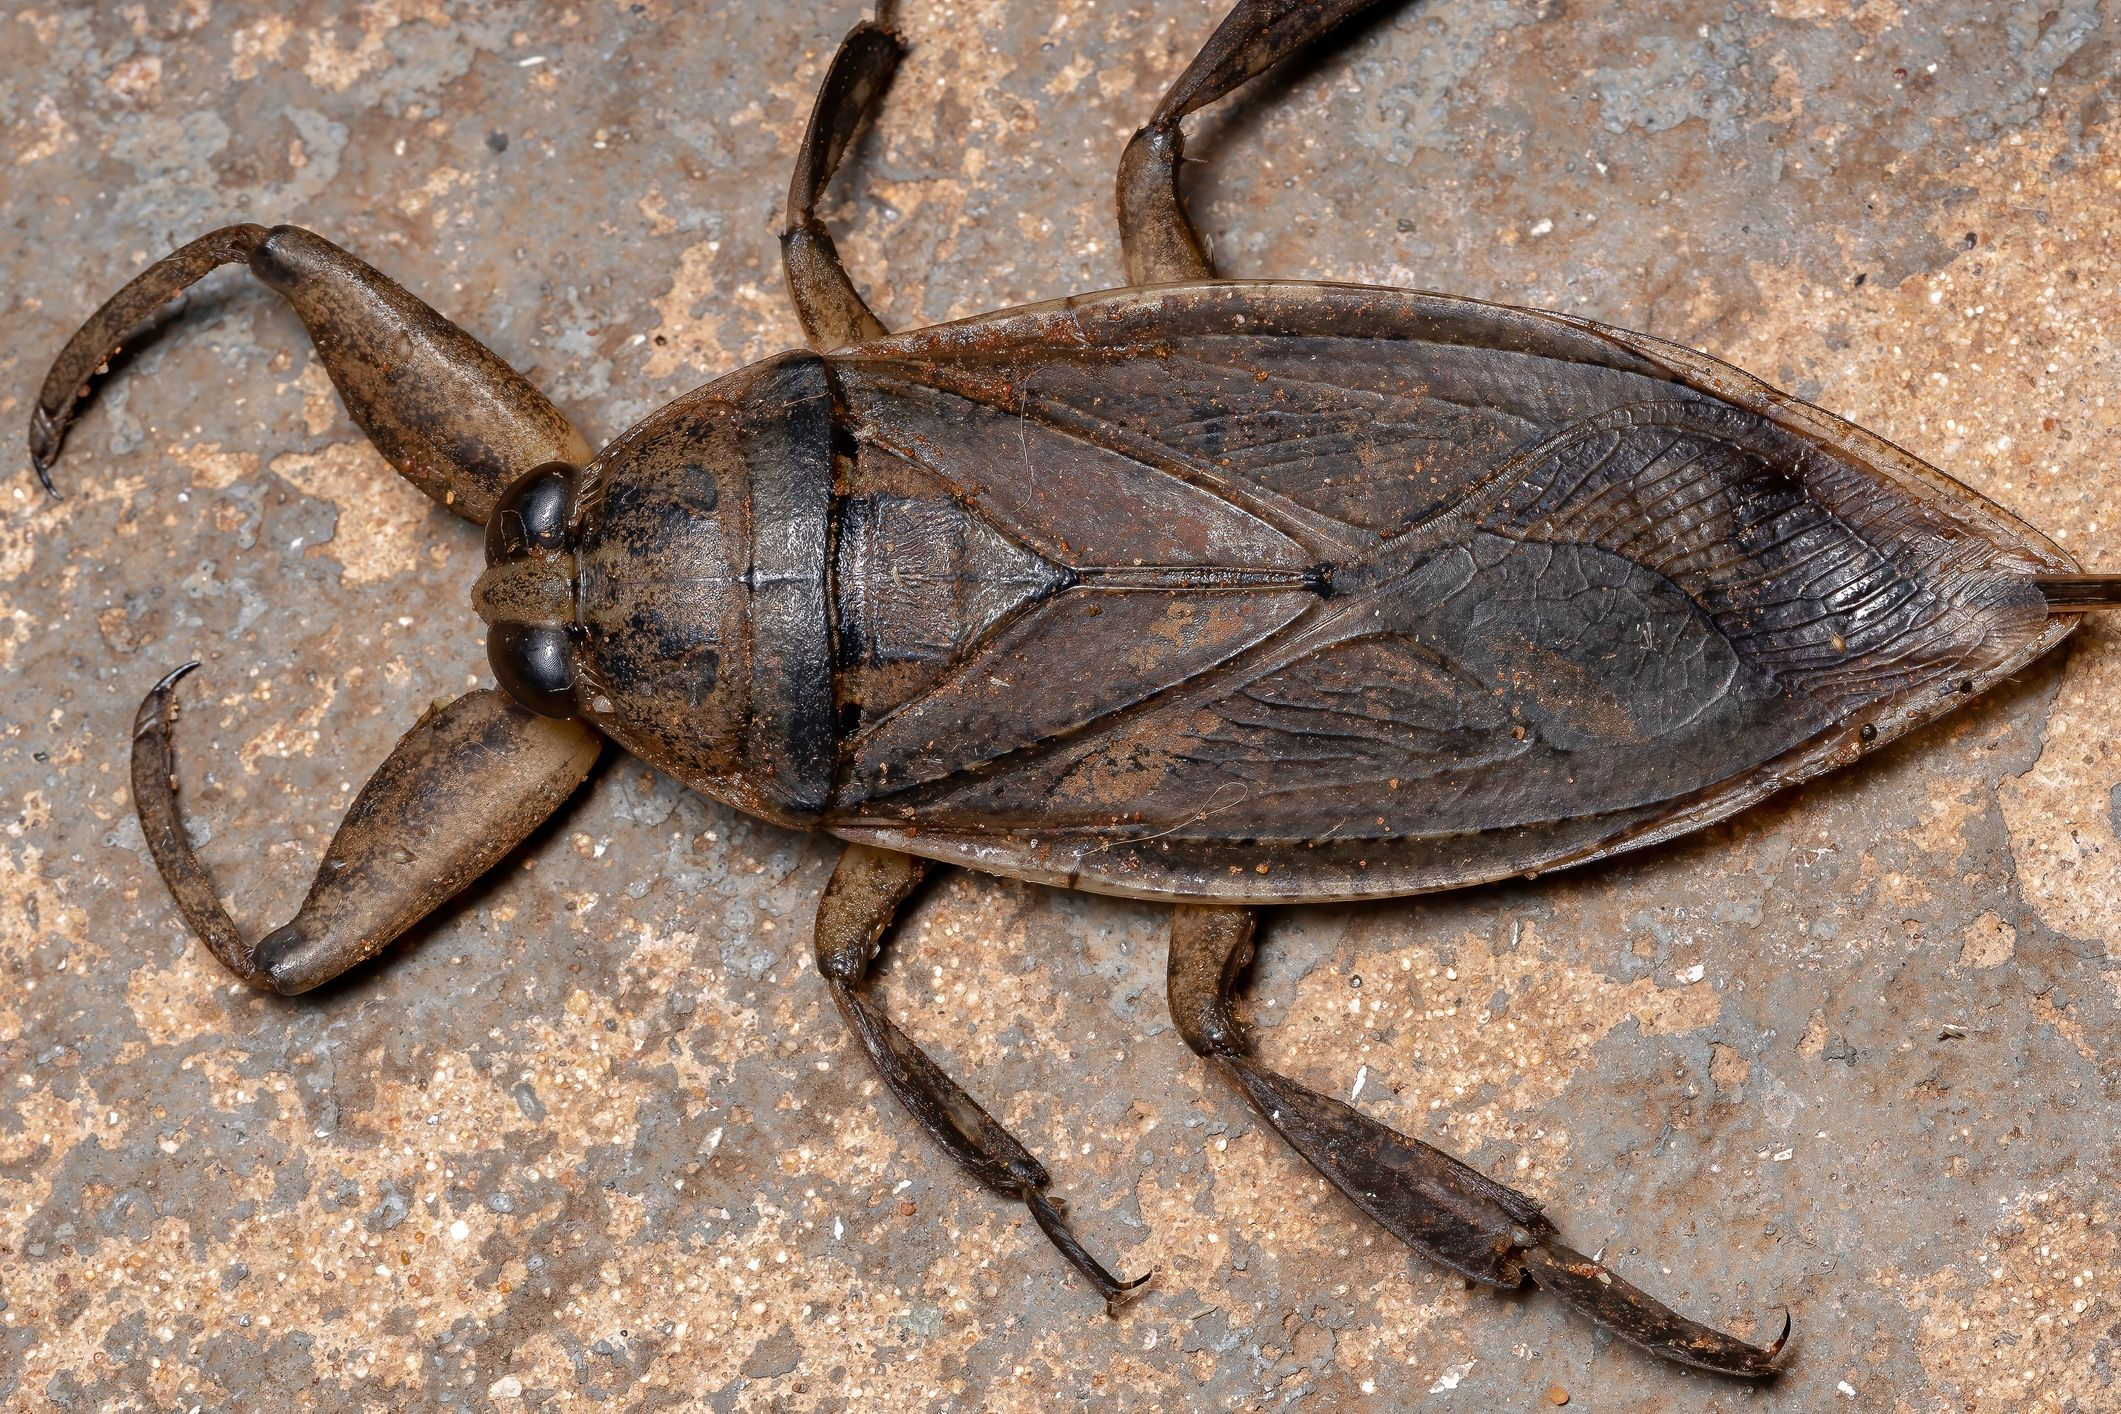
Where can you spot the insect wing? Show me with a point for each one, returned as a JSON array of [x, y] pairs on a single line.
[[1570, 590], [1117, 579]]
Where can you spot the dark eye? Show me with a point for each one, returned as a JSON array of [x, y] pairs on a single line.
[[531, 515], [534, 663]]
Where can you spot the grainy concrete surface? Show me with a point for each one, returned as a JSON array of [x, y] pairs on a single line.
[[594, 1136]]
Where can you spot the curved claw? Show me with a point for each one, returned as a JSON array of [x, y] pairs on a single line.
[[956, 1121], [98, 339], [1642, 1320], [160, 691], [1055, 1227], [155, 798], [44, 436]]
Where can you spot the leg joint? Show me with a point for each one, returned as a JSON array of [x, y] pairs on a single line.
[[845, 961], [1210, 948]]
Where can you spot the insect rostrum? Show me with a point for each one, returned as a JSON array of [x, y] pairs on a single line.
[[1221, 592]]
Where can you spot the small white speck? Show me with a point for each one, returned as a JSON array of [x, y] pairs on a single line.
[[1845, 1390], [531, 63], [839, 1229], [1688, 976], [1783, 1156], [1544, 227], [714, 1140], [506, 1387], [459, 1230], [1362, 1073], [1449, 1379]]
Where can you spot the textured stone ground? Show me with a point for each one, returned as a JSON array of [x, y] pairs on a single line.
[[594, 1136]]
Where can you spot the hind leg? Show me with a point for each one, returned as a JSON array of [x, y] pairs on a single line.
[[1440, 1207], [443, 409]]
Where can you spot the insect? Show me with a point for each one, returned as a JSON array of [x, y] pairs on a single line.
[[1224, 593]]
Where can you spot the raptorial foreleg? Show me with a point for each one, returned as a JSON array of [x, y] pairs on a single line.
[[460, 790], [443, 409]]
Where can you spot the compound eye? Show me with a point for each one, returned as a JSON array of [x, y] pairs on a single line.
[[531, 516], [534, 663]]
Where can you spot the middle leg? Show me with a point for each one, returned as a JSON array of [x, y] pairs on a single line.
[[865, 893], [1158, 242], [832, 312]]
